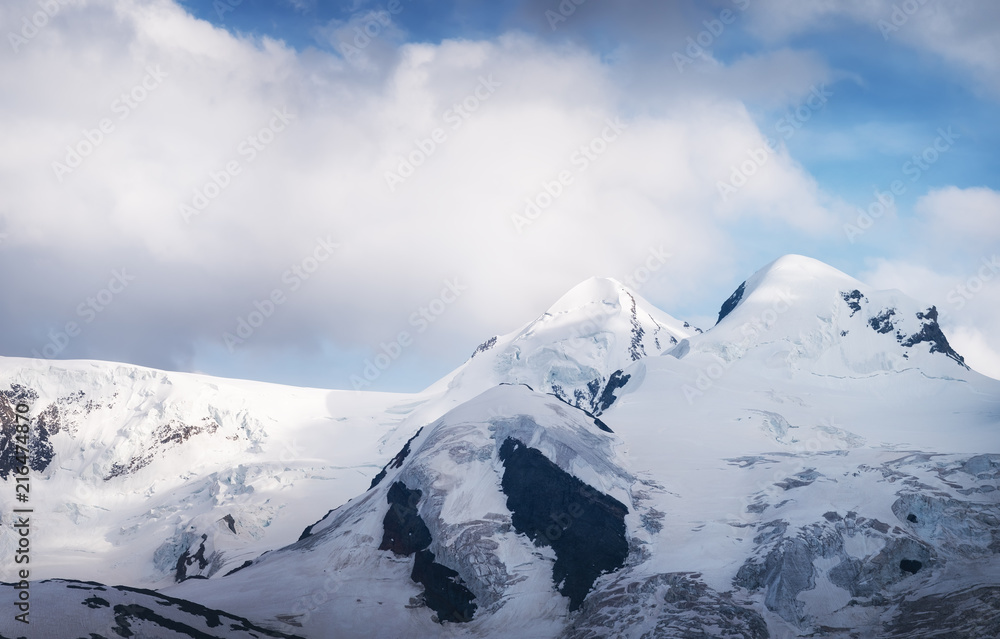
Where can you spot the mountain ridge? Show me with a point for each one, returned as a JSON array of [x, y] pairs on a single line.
[[815, 464]]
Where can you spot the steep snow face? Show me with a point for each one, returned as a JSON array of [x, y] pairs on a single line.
[[513, 494], [146, 477], [798, 313], [575, 348]]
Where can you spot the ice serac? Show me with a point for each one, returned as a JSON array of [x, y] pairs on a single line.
[[578, 349]]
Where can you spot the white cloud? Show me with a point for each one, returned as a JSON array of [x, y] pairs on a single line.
[[954, 263], [963, 32], [966, 218], [509, 115]]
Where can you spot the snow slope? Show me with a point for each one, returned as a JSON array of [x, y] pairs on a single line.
[[141, 464], [819, 463]]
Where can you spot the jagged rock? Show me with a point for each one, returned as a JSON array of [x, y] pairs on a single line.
[[586, 528]]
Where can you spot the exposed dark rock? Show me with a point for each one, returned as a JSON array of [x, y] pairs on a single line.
[[230, 522], [931, 332], [853, 300], [308, 529], [485, 346], [617, 380], [96, 602], [444, 592], [122, 611], [911, 518], [584, 527], [731, 303], [636, 350], [17, 447], [164, 437], [910, 565], [602, 426], [558, 394], [882, 323], [396, 461], [186, 559], [239, 568], [404, 532]]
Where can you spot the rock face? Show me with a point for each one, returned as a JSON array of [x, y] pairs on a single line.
[[403, 531], [405, 534], [888, 320], [36, 452], [585, 527], [732, 302]]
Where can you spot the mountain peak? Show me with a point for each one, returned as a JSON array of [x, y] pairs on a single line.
[[799, 309], [590, 291], [776, 281]]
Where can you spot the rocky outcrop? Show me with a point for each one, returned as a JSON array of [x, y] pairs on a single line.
[[584, 527], [732, 302]]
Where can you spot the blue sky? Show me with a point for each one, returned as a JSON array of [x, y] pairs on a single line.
[[539, 93]]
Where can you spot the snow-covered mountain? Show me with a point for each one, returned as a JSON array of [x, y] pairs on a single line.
[[821, 462], [576, 350]]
